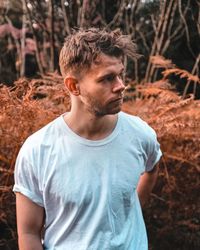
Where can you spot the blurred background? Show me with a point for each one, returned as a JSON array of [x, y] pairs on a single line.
[[163, 88]]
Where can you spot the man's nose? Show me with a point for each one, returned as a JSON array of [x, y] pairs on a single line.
[[119, 85]]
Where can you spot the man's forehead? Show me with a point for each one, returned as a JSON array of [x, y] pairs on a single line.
[[107, 63], [107, 60]]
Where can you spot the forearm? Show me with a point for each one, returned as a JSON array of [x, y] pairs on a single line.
[[146, 184], [29, 241]]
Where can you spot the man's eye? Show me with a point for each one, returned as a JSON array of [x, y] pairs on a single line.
[[110, 78]]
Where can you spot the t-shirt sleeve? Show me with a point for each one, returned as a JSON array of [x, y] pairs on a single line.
[[26, 175], [153, 150]]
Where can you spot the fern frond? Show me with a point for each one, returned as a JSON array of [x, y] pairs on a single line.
[[182, 74], [161, 62]]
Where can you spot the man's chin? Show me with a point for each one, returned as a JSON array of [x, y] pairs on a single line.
[[114, 111], [108, 112]]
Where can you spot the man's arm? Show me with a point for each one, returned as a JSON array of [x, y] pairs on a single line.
[[146, 184], [30, 221]]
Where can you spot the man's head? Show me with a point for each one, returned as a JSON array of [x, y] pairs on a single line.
[[83, 47], [91, 62]]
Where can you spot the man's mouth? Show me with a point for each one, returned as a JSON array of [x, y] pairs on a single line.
[[117, 99]]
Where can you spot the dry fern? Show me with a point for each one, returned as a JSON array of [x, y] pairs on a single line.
[[171, 69], [182, 74], [161, 62], [175, 120], [31, 104]]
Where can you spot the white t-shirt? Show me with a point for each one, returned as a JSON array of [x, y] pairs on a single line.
[[88, 188]]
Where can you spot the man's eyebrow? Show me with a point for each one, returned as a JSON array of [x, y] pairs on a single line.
[[106, 74], [109, 73]]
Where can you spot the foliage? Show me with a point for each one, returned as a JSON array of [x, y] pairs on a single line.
[[25, 108], [30, 104], [172, 69], [32, 33], [166, 28]]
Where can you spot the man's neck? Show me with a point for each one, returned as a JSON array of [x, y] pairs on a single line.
[[89, 126]]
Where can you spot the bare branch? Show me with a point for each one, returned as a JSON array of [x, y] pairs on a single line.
[[23, 40], [17, 44], [83, 13], [34, 38], [67, 28], [186, 28], [118, 14], [51, 22]]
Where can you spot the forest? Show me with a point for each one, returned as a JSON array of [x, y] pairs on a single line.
[[162, 87]]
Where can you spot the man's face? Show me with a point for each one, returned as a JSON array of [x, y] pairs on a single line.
[[101, 87]]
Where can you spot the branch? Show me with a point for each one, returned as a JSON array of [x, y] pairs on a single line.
[[118, 14], [67, 28], [83, 13], [17, 44], [186, 28], [160, 44], [178, 158], [51, 21], [34, 38]]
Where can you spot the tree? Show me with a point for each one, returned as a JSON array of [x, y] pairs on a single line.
[[165, 28]]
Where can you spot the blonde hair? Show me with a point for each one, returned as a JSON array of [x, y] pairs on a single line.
[[83, 47]]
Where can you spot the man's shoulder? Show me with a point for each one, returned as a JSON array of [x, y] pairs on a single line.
[[44, 135], [136, 124], [133, 120]]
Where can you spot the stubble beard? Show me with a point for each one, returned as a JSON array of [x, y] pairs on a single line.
[[98, 110]]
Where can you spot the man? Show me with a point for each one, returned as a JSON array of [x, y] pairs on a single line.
[[81, 176]]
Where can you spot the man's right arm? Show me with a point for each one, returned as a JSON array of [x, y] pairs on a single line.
[[30, 222]]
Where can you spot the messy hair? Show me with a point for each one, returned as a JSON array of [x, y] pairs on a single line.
[[82, 48]]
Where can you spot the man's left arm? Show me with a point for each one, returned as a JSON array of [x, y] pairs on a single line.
[[146, 184]]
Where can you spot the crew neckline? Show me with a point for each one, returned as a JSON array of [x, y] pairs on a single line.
[[88, 142]]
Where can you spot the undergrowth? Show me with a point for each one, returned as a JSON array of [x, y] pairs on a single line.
[[172, 213]]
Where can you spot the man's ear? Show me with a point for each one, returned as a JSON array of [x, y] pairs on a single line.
[[72, 85]]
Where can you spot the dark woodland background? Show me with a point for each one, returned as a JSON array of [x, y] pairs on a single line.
[[163, 89], [32, 33]]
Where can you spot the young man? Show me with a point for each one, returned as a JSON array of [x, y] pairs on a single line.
[[83, 176]]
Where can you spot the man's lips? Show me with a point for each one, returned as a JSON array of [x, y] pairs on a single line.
[[117, 99]]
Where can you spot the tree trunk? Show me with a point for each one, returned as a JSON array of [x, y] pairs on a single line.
[[51, 32], [23, 41], [34, 38]]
